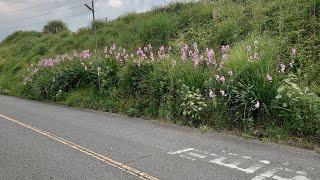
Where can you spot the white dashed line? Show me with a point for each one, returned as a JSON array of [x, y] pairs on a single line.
[[181, 151]]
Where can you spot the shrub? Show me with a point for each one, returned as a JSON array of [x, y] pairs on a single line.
[[55, 27], [49, 83], [192, 106], [297, 109]]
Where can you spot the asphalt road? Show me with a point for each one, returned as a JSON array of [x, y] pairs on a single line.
[[43, 141]]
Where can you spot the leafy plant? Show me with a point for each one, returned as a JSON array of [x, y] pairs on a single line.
[[298, 109], [192, 106]]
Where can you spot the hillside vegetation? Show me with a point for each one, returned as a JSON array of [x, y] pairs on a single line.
[[250, 65]]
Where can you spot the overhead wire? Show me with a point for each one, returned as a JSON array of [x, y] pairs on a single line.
[[40, 22], [43, 14], [40, 5]]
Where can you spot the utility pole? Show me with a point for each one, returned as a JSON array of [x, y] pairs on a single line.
[[91, 8]]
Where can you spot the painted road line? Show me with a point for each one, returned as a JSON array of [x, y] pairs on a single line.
[[234, 165], [181, 151], [192, 159], [197, 155], [256, 165], [84, 150]]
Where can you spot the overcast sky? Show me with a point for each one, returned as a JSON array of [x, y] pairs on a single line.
[[33, 14]]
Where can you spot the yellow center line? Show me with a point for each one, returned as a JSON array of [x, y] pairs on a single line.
[[84, 150]]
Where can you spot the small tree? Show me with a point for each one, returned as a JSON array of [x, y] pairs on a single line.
[[55, 27]]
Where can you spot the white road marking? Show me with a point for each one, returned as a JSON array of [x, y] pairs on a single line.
[[300, 178], [246, 157], [233, 154], [264, 161], [301, 172], [197, 155], [181, 151], [267, 174], [192, 159], [256, 164], [271, 174], [234, 165], [287, 170]]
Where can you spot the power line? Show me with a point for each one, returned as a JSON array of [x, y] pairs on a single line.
[[39, 5], [43, 14], [40, 22]]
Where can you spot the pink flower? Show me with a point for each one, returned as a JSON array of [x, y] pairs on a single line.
[[293, 52], [222, 79], [223, 93], [184, 53], [74, 53], [291, 64], [256, 44], [224, 49], [161, 52], [224, 52], [269, 78], [217, 77], [46, 63], [85, 54], [225, 57], [257, 105], [210, 56], [211, 93], [282, 68], [248, 48], [195, 55], [230, 72], [112, 48], [150, 47], [256, 56], [140, 53]]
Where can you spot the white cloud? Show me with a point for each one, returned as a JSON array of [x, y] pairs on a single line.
[[115, 3]]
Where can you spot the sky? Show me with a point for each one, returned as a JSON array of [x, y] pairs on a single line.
[[34, 14]]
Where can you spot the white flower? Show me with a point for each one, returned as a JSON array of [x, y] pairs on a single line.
[[257, 105], [269, 78], [223, 93], [211, 94]]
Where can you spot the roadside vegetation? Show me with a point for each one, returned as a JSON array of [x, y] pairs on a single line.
[[249, 66]]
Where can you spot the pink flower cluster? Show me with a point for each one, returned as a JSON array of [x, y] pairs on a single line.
[[47, 63], [211, 57], [85, 54], [51, 62], [120, 54]]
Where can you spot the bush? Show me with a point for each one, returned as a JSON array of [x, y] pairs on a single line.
[[297, 109], [50, 83], [55, 27], [192, 105]]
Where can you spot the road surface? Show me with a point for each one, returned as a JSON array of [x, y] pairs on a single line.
[[44, 141]]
